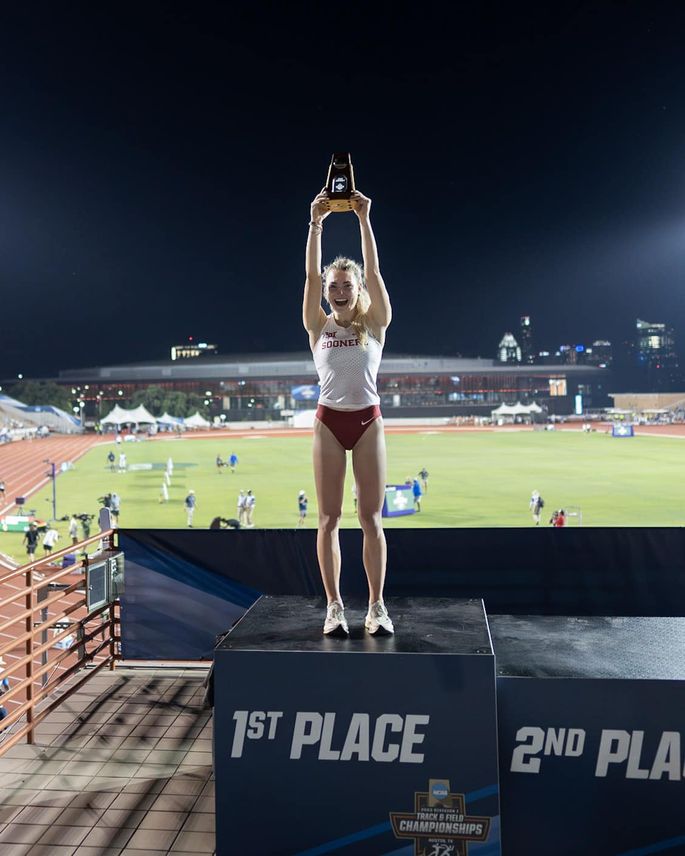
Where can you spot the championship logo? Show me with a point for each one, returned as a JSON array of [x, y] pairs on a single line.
[[439, 824], [340, 184]]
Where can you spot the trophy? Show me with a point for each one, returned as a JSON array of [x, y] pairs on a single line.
[[340, 182]]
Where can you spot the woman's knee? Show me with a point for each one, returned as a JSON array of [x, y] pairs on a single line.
[[370, 521], [329, 521]]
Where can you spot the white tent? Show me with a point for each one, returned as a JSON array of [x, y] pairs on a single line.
[[196, 421], [517, 409], [141, 416], [168, 419], [120, 416]]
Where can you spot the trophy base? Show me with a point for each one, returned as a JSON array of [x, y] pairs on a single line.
[[340, 205]]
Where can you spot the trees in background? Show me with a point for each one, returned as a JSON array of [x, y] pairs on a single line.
[[36, 392]]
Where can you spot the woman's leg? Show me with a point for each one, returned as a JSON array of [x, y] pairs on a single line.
[[368, 462], [329, 477]]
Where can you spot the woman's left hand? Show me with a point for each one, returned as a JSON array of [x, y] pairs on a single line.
[[361, 205]]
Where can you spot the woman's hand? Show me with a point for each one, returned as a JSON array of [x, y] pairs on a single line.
[[319, 209], [361, 205]]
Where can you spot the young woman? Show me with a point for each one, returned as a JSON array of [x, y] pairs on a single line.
[[347, 346]]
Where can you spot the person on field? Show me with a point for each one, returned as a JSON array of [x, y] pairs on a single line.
[[417, 493], [347, 346], [115, 508], [558, 518], [242, 508], [190, 504], [536, 504], [219, 464], [50, 538], [302, 503], [31, 540], [122, 462], [250, 501], [111, 458], [73, 529], [423, 475], [233, 461]]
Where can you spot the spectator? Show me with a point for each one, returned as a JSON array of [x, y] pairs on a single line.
[[31, 541], [50, 538], [190, 504], [2, 489]]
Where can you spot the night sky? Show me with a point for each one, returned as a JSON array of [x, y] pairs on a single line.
[[157, 161]]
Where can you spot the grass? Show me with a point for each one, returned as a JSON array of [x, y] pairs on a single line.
[[476, 479]]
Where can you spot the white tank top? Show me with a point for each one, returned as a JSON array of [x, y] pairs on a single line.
[[347, 372]]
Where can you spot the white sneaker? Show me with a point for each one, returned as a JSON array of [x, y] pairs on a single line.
[[377, 620], [335, 623]]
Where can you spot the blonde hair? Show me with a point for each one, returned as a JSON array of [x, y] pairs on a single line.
[[360, 321]]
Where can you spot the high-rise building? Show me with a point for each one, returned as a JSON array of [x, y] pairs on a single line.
[[526, 339], [655, 356], [192, 349], [508, 350]]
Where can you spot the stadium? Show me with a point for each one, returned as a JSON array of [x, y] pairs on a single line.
[[253, 387], [342, 602]]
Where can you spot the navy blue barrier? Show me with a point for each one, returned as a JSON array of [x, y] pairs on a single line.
[[183, 587]]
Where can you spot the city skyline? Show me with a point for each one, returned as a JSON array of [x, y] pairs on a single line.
[[157, 169]]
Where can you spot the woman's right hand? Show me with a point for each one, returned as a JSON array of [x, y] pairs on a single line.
[[319, 208]]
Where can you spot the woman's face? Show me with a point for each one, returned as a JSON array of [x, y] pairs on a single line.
[[342, 292]]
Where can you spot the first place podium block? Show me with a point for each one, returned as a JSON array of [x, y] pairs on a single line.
[[357, 746]]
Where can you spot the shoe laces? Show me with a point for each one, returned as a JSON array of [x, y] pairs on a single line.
[[335, 610]]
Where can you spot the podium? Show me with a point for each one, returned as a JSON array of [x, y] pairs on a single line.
[[358, 746]]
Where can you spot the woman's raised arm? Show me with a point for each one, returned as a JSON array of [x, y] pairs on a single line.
[[313, 316], [380, 311]]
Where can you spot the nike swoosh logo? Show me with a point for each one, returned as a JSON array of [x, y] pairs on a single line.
[[368, 420]]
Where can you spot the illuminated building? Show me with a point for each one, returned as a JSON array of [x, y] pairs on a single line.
[[655, 356], [191, 349], [508, 350], [526, 339]]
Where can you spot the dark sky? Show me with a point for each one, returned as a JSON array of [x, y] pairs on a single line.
[[157, 161]]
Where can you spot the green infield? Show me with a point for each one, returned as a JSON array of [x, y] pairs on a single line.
[[476, 479]]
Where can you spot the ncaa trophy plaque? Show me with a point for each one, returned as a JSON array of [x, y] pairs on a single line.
[[340, 182]]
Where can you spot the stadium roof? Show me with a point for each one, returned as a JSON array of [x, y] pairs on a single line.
[[298, 365]]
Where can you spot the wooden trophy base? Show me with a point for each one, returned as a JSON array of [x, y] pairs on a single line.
[[340, 205]]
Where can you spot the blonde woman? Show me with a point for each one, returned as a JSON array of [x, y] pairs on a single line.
[[347, 345]]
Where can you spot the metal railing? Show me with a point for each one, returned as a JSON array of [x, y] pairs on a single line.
[[48, 602]]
